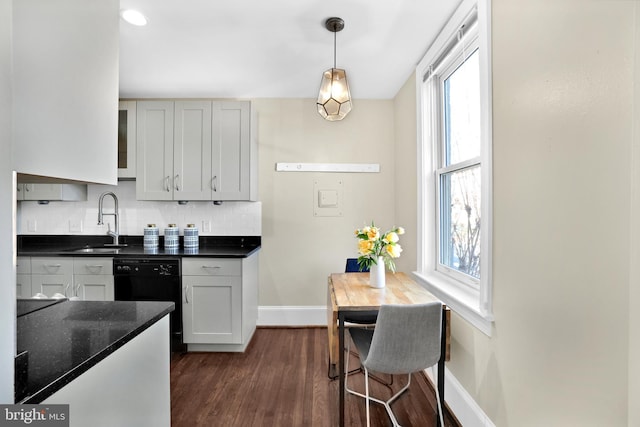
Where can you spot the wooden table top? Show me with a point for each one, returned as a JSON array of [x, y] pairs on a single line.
[[351, 291]]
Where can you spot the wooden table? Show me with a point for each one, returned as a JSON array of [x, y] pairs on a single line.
[[350, 293]]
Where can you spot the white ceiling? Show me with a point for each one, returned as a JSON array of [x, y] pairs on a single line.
[[274, 48]]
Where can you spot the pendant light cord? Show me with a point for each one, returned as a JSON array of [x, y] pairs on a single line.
[[334, 49]]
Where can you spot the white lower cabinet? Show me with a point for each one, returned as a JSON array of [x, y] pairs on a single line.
[[93, 279], [52, 275], [88, 278], [220, 302], [213, 310], [23, 277]]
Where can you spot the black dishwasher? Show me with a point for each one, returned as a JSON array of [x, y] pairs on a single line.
[[152, 279]]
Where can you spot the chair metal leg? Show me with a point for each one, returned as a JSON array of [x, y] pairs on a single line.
[[434, 372], [369, 398], [366, 390]]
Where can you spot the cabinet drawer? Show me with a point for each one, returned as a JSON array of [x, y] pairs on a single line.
[[91, 265], [52, 265], [23, 265], [211, 267]]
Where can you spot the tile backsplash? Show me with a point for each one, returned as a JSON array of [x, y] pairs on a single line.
[[227, 219]]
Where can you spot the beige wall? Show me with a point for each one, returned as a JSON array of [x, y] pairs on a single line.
[[562, 105], [634, 290], [300, 249], [406, 171]]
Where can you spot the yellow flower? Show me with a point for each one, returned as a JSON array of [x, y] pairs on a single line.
[[394, 250], [365, 246], [391, 237], [373, 233]]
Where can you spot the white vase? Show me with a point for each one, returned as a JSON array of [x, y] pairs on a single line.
[[376, 274]]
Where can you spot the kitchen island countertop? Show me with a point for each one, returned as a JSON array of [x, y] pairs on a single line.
[[65, 340]]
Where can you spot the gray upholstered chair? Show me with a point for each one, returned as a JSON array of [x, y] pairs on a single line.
[[406, 339]]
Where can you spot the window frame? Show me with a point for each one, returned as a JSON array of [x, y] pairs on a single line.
[[471, 300]]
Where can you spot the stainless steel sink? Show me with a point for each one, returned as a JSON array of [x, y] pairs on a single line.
[[98, 250]]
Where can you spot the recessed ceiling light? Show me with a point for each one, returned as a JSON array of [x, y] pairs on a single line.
[[134, 17]]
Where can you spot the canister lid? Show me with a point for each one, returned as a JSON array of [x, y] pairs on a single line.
[[191, 225], [172, 225], [151, 225]]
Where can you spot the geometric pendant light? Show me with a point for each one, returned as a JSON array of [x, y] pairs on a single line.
[[334, 99]]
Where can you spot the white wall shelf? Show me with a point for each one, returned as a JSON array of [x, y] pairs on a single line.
[[329, 167]]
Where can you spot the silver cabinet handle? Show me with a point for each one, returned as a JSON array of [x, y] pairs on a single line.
[[177, 182], [211, 266], [166, 183], [214, 183], [66, 288], [186, 294], [75, 294], [51, 267]]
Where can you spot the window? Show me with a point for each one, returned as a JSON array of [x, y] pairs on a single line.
[[455, 182]]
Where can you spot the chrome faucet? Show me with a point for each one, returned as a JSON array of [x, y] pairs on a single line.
[[116, 233]]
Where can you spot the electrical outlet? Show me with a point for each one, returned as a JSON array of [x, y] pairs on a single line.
[[75, 226], [206, 226]]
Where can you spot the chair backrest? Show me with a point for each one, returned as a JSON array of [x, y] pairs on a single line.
[[406, 338], [353, 267]]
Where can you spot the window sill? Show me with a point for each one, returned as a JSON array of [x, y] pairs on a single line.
[[464, 300]]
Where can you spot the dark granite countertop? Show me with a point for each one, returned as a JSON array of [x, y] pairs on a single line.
[[27, 306], [75, 245], [64, 340]]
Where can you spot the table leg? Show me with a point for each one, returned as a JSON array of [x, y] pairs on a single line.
[[341, 391], [443, 356]]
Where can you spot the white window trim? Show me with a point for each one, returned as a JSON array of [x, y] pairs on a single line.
[[473, 305]]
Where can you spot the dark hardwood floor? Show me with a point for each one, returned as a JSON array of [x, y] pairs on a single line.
[[281, 380]]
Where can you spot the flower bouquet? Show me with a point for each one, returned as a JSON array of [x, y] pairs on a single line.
[[375, 247]]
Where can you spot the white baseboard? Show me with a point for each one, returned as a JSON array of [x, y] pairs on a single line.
[[459, 400], [292, 316], [465, 409]]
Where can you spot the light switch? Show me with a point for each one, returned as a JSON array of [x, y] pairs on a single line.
[[327, 198]]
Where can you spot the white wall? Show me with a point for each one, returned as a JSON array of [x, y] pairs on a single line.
[[299, 249], [228, 219], [66, 88], [7, 266]]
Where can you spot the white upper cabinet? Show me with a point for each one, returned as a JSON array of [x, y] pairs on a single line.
[[65, 89], [233, 167], [192, 151], [127, 139], [195, 150], [154, 140], [52, 192]]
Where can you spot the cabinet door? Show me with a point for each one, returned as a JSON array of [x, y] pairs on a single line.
[[154, 152], [42, 192], [192, 151], [23, 277], [212, 309], [231, 151], [66, 192], [90, 287], [50, 284], [127, 139], [23, 286]]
